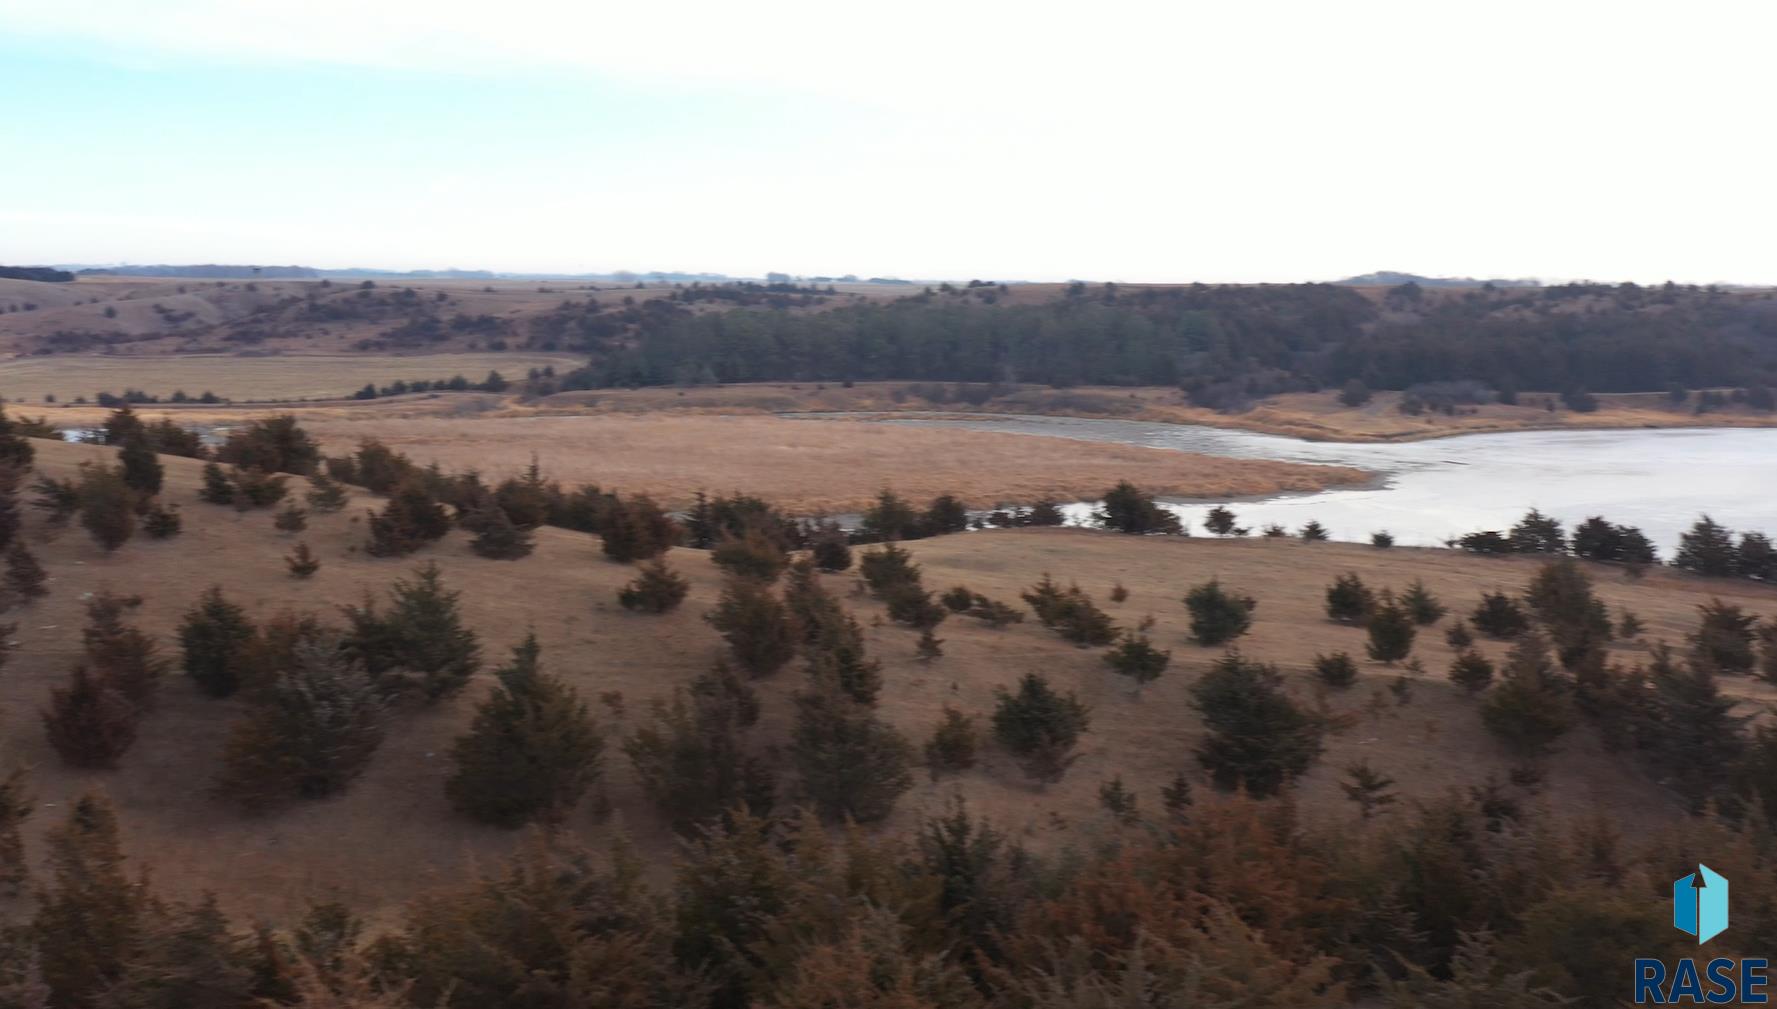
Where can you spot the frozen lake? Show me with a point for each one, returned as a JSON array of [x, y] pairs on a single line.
[[1429, 491]]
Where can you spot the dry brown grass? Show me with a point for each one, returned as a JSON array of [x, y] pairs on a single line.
[[1313, 416], [815, 466], [310, 376], [392, 834]]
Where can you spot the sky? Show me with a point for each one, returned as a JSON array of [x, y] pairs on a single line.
[[1168, 142]]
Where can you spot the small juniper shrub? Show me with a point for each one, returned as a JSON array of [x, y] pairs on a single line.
[[1070, 613], [161, 521], [1349, 600], [325, 495], [1336, 670], [992, 612], [1118, 801], [25, 578], [1391, 631], [255, 488], [497, 537], [1218, 615], [1176, 797], [1040, 727], [291, 519], [951, 750], [1458, 636], [1500, 616], [89, 722], [1421, 605], [753, 554], [1136, 657], [302, 561], [656, 589], [1471, 671], [829, 549]]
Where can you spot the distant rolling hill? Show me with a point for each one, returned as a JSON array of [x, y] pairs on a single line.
[[1392, 278]]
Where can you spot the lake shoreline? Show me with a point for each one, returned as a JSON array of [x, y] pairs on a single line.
[[1229, 423]]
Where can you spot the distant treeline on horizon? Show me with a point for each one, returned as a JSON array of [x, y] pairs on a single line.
[[1223, 345]]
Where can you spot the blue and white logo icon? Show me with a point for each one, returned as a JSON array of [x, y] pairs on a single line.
[[1700, 903]]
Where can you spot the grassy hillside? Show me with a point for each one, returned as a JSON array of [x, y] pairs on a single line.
[[392, 835]]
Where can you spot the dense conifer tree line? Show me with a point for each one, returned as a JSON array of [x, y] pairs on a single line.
[[1223, 344]]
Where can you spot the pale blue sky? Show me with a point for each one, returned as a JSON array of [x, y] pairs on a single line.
[[1119, 140]]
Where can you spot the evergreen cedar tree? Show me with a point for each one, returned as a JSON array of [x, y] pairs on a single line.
[[310, 729], [1040, 727], [121, 656], [410, 520], [1349, 600], [656, 589], [852, 764], [99, 926], [16, 806], [107, 507], [139, 467], [759, 629], [532, 751], [752, 554], [1258, 739], [1220, 521], [1499, 616], [89, 722], [1471, 671], [1127, 509], [217, 638], [271, 445], [830, 551], [497, 537], [1336, 670], [1218, 615], [953, 745], [1530, 707], [302, 562], [637, 530], [16, 451], [1070, 613], [25, 578], [12, 517], [162, 521], [1391, 631], [1136, 657], [418, 645], [325, 495], [692, 757], [291, 519]]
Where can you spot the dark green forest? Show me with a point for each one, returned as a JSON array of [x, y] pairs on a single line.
[[1219, 343]]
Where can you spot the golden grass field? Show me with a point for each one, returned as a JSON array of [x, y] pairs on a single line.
[[27, 380], [392, 835], [815, 466], [1314, 416]]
